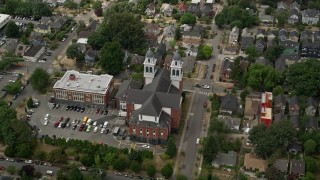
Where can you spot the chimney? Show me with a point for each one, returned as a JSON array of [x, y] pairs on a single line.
[[72, 77]]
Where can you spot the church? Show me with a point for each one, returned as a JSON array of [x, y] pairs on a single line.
[[153, 111]]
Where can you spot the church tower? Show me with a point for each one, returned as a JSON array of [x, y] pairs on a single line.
[[176, 71], [149, 67]]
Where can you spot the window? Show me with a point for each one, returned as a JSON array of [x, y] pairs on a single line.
[[173, 72], [177, 72], [147, 69], [150, 69], [140, 132], [148, 60], [176, 63]]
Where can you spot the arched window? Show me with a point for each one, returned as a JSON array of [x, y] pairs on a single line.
[[147, 70], [148, 60], [177, 72], [173, 72], [176, 63], [150, 69]]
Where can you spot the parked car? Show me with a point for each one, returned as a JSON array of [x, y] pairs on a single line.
[[15, 97], [9, 103], [28, 161], [74, 127], [82, 110]]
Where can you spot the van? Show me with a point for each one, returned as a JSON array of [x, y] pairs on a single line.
[[95, 129]]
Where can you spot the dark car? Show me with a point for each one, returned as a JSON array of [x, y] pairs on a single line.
[[107, 131], [207, 66], [78, 109], [71, 107], [204, 76], [63, 125], [19, 160], [211, 76], [83, 109], [196, 85], [98, 110], [81, 127], [74, 127], [75, 108], [67, 120], [58, 105], [15, 97], [101, 112], [85, 127], [68, 107], [56, 124]]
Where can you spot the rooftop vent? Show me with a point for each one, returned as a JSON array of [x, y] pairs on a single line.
[[72, 77], [77, 84], [68, 83]]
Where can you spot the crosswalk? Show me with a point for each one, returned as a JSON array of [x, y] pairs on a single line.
[[205, 93]]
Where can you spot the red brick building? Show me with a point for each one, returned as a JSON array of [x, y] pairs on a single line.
[[80, 88], [154, 111], [266, 108]]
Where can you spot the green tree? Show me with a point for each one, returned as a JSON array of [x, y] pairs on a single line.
[[72, 173], [167, 170], [70, 4], [40, 80], [171, 148], [13, 88], [97, 40], [30, 102], [277, 91], [177, 35], [311, 164], [269, 10], [8, 60], [303, 78], [257, 133], [310, 146], [181, 177], [188, 18], [11, 30], [252, 53], [220, 20], [210, 149], [204, 52], [73, 51], [151, 170], [97, 160], [111, 58], [273, 52], [135, 166], [11, 170], [96, 5], [119, 164], [309, 176], [282, 18], [244, 94]]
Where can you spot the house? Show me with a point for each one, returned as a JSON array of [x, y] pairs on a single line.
[[185, 27], [282, 6], [200, 29], [82, 44], [279, 103], [297, 169], [262, 60], [294, 35], [313, 124], [254, 164], [161, 52], [234, 35], [33, 53], [229, 105], [42, 28], [51, 3], [226, 70], [84, 34], [289, 44], [261, 33], [283, 35], [152, 28], [281, 165], [252, 107], [305, 36], [207, 10], [194, 9], [291, 52], [21, 49], [245, 42], [266, 108], [182, 8], [245, 33], [310, 49], [136, 59], [310, 16], [36, 38], [266, 19], [169, 33], [293, 16], [271, 35], [278, 117], [192, 38], [290, 58], [225, 159], [294, 106], [191, 42], [55, 22], [91, 56], [294, 120], [311, 106], [151, 9], [260, 45], [154, 111], [295, 5], [316, 36], [233, 123], [280, 64], [166, 9], [9, 45], [295, 147]]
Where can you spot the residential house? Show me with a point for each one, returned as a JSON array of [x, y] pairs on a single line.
[[295, 147], [294, 35], [282, 6], [151, 9], [136, 59], [289, 44], [226, 70], [207, 10], [182, 8], [279, 104], [313, 124], [185, 27], [311, 106], [55, 22], [278, 117], [90, 56], [85, 34], [192, 38], [234, 35], [229, 104], [310, 16], [33, 53], [51, 3], [166, 9], [291, 52], [283, 35], [8, 45], [93, 25], [262, 60], [254, 164], [225, 159], [42, 28], [310, 49], [82, 44], [294, 106], [260, 45], [316, 36], [305, 36], [169, 33], [152, 31], [281, 165], [160, 52], [271, 34], [266, 108], [21, 49], [233, 123], [36, 38], [297, 169], [293, 16], [245, 42], [252, 108], [280, 64], [194, 9], [266, 19], [294, 120], [295, 5], [261, 33]]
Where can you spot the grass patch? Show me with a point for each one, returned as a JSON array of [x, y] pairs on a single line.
[[185, 109], [195, 71]]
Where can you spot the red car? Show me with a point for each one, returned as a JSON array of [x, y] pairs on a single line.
[[61, 119], [98, 110], [81, 127], [57, 124]]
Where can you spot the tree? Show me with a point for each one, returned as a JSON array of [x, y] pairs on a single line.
[[310, 146], [13, 88], [135, 166], [219, 20], [210, 149], [111, 58], [30, 102], [303, 78], [9, 59], [11, 170], [309, 176], [252, 53], [171, 148], [70, 4], [40, 80], [181, 177], [97, 40], [98, 12], [277, 91], [282, 18], [167, 170], [188, 18], [119, 164], [96, 5], [257, 133], [177, 35], [269, 10], [11, 30], [244, 94], [151, 170], [311, 164], [27, 170], [72, 173], [73, 51], [204, 52], [273, 52]]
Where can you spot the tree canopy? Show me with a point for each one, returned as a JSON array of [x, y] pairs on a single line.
[[40, 80], [303, 78], [8, 60], [252, 53], [11, 30], [204, 52], [13, 88], [29, 8], [210, 148], [111, 58], [167, 170], [273, 52], [188, 18], [171, 148]]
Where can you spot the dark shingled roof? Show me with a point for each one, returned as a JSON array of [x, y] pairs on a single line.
[[278, 117], [125, 86], [294, 100], [229, 101], [295, 146], [297, 167], [161, 83], [294, 120], [281, 165], [311, 102], [33, 51], [151, 107], [312, 123], [280, 99]]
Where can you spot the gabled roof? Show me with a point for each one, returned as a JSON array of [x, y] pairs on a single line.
[[293, 12], [311, 102], [183, 7], [151, 107], [312, 123], [263, 60], [311, 13], [125, 86], [229, 101], [161, 83], [251, 162], [33, 50], [281, 165], [151, 6], [282, 5], [294, 101], [229, 158], [288, 44], [295, 146], [294, 33], [280, 99], [283, 32], [261, 32], [278, 117], [294, 120], [194, 8], [295, 5], [271, 32], [297, 167]]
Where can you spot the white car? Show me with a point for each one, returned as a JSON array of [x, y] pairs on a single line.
[[198, 141], [94, 123], [205, 86], [31, 110], [103, 130], [46, 123], [28, 161], [95, 129], [46, 117]]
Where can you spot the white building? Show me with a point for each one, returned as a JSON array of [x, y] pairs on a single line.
[[4, 19]]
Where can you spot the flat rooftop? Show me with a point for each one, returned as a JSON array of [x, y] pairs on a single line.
[[4, 17], [76, 81]]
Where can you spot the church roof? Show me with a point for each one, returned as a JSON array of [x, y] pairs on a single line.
[[149, 53]]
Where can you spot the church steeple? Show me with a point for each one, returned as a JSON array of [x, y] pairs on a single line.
[[176, 71], [149, 67]]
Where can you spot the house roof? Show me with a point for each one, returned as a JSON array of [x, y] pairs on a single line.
[[10, 45], [266, 17], [152, 26], [169, 30], [312, 45], [280, 64], [93, 25], [84, 34], [246, 41], [33, 50], [166, 7], [229, 158], [280, 99], [194, 8], [271, 32], [151, 6], [125, 86], [235, 30], [42, 26], [295, 5], [293, 101], [282, 5], [278, 117], [312, 123], [250, 162], [229, 101], [297, 167], [252, 106], [311, 102], [281, 165], [152, 106], [246, 33], [293, 12], [288, 44], [207, 9], [262, 60], [261, 32], [295, 146], [310, 13], [294, 33], [182, 7], [229, 121], [283, 32], [294, 120]]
